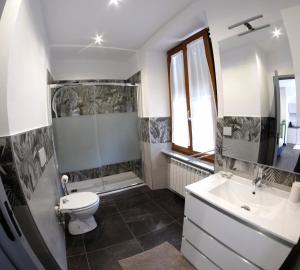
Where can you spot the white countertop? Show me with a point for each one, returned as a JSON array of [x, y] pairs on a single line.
[[282, 221]]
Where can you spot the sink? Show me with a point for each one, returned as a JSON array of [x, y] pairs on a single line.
[[268, 209], [264, 202]]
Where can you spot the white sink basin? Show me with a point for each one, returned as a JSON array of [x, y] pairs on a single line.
[[268, 209], [264, 202]]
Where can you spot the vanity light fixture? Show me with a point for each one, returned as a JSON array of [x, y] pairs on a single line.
[[98, 39], [249, 26], [277, 32], [114, 2]]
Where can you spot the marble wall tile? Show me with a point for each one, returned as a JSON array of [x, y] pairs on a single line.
[[219, 144], [160, 130], [155, 130], [75, 100], [115, 99], [108, 170], [25, 149], [78, 82], [143, 127], [9, 175], [244, 128]]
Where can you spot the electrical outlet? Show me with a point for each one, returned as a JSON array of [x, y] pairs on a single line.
[[227, 131]]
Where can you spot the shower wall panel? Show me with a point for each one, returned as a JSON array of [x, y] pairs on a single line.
[[76, 143], [95, 126]]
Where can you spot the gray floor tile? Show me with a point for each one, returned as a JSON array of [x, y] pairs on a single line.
[[171, 234]]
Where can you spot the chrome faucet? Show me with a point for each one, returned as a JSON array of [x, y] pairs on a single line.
[[257, 182]]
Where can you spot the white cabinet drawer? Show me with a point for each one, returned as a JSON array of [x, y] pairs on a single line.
[[216, 252], [196, 258], [292, 135], [249, 243]]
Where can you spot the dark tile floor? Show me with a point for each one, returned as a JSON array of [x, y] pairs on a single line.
[[129, 223]]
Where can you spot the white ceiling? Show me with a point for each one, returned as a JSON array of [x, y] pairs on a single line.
[[71, 24]]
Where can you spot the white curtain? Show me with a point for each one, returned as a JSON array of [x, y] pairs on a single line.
[[180, 131], [202, 102]]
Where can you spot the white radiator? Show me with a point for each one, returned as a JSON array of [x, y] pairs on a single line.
[[182, 174]]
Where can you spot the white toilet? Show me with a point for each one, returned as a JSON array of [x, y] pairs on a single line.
[[81, 207]]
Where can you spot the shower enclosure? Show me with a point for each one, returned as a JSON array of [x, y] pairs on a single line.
[[96, 135]]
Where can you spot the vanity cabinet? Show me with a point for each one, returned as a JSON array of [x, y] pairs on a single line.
[[212, 239], [293, 135]]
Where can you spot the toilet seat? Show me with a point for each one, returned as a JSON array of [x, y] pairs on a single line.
[[85, 208], [78, 201]]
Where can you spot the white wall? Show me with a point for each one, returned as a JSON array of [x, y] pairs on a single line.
[[7, 24], [80, 69], [264, 93], [240, 92], [155, 93], [24, 79]]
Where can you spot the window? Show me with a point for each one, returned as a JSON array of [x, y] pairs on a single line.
[[193, 95]]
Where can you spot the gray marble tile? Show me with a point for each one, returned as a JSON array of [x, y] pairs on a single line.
[[134, 165], [115, 99], [143, 127], [244, 128], [75, 100], [9, 174], [219, 144], [25, 149], [79, 82], [160, 130]]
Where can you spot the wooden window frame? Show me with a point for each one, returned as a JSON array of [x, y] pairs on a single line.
[[210, 60]]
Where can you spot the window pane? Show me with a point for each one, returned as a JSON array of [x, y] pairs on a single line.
[[180, 130], [202, 103]]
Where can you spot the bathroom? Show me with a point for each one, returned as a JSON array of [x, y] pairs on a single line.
[[149, 134]]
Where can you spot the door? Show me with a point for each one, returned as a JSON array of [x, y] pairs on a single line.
[[14, 248], [276, 80]]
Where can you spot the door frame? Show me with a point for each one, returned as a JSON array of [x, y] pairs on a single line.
[[13, 244], [276, 79]]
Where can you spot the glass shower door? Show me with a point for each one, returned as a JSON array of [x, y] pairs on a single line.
[[96, 136]]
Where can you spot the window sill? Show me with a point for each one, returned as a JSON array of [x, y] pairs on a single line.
[[204, 165]]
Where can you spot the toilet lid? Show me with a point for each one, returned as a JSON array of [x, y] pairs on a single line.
[[78, 200]]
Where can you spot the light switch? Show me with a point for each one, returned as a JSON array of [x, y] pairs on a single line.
[[227, 131], [42, 156]]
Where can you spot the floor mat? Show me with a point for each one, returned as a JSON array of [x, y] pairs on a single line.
[[162, 257]]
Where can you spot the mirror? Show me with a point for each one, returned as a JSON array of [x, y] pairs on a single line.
[[260, 117]]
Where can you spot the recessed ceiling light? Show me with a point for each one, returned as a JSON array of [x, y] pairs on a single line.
[[98, 39], [114, 2], [277, 32]]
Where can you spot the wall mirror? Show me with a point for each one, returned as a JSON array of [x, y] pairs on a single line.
[[261, 124]]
